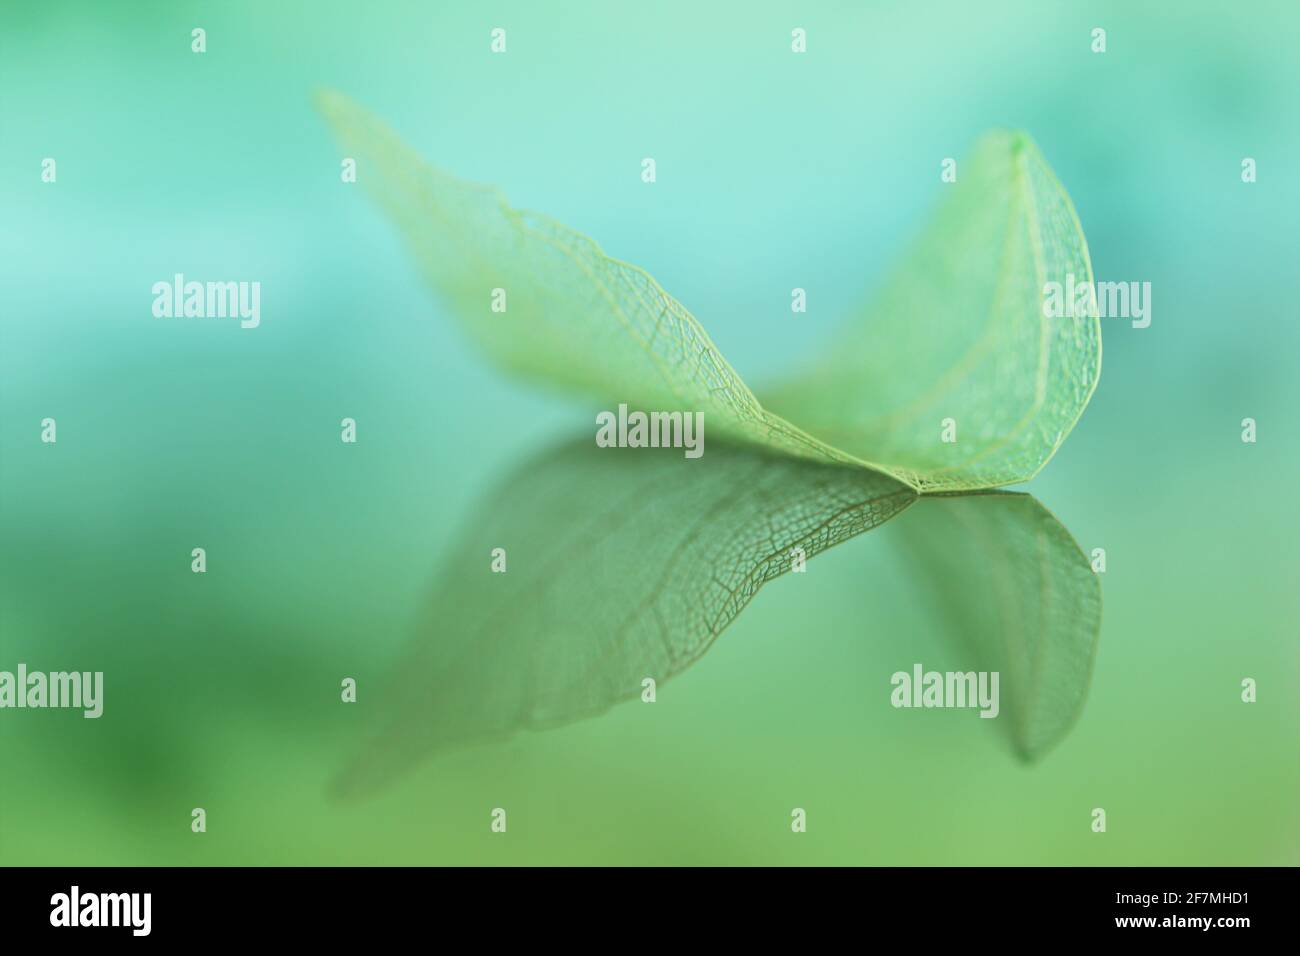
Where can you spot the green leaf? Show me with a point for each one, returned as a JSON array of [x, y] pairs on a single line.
[[621, 565], [1015, 595], [958, 332], [626, 566], [574, 317]]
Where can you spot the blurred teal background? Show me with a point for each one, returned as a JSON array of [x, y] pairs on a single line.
[[774, 171]]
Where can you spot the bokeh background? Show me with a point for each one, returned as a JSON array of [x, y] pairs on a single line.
[[774, 171]]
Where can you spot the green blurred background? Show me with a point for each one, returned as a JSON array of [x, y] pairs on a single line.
[[774, 171]]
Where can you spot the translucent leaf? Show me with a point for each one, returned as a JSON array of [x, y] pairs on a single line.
[[1017, 596], [574, 317], [958, 333], [626, 566], [621, 565]]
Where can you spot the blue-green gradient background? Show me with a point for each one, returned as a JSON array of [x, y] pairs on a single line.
[[774, 171]]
